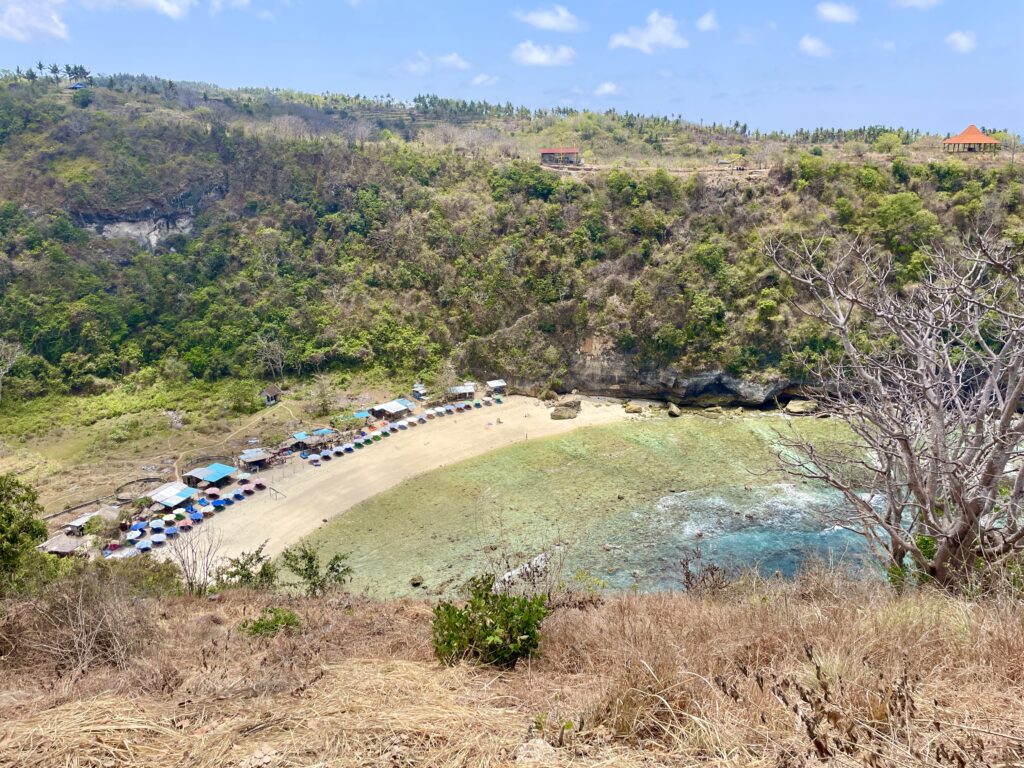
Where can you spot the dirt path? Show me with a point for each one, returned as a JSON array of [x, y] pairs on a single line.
[[304, 496]]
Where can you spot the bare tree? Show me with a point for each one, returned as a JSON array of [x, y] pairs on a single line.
[[196, 554], [270, 356], [322, 395], [930, 377], [10, 353]]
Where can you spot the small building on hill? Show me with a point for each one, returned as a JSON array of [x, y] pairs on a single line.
[[420, 391], [64, 545], [271, 394], [497, 386], [255, 458], [172, 495], [465, 391], [561, 156], [971, 140]]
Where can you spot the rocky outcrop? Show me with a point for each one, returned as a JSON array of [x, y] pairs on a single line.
[[801, 407], [149, 232], [561, 413]]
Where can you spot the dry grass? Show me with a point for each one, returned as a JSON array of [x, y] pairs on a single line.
[[817, 672]]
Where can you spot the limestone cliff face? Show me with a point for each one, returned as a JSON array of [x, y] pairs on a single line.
[[617, 374], [595, 367]]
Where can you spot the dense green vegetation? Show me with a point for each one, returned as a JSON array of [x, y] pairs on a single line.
[[332, 233]]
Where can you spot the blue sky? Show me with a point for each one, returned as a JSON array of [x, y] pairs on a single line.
[[931, 64]]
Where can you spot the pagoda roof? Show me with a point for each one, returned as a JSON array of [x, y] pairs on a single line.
[[971, 135]]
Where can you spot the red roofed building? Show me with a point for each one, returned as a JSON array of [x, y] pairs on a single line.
[[971, 140], [561, 156]]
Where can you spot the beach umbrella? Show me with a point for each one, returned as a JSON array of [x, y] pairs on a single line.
[[203, 503], [325, 455], [157, 524], [349, 447], [488, 401], [339, 450], [190, 509], [477, 404], [218, 504], [197, 517], [421, 420], [249, 491], [171, 531], [430, 413], [159, 538], [448, 409], [403, 424], [144, 545], [376, 437], [238, 496], [179, 514], [260, 485], [440, 411], [186, 524], [139, 526], [133, 535], [213, 492], [169, 519], [229, 502]]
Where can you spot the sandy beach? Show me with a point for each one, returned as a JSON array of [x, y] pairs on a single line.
[[303, 497]]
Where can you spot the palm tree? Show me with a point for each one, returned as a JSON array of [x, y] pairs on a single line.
[[40, 66], [55, 71]]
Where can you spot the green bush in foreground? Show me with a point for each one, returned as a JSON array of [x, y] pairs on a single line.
[[270, 622], [493, 627], [316, 578]]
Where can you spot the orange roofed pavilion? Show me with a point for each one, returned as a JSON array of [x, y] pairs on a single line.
[[971, 140]]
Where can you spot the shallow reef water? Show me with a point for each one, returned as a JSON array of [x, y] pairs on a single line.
[[621, 505]]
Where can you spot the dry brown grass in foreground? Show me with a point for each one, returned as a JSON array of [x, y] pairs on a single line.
[[816, 672]]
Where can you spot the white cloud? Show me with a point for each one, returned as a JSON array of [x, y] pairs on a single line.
[[659, 32], [175, 9], [557, 18], [886, 45], [920, 5], [423, 64], [962, 41], [530, 54], [483, 79], [837, 13], [23, 20], [216, 6], [814, 46], [452, 61], [708, 22], [606, 89]]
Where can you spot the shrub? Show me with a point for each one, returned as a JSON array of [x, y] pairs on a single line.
[[20, 528], [251, 570], [270, 622], [493, 627], [316, 579]]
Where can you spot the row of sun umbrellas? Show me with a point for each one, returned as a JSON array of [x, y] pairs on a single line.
[[376, 434], [146, 534]]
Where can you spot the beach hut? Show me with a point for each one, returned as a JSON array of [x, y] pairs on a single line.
[[497, 386]]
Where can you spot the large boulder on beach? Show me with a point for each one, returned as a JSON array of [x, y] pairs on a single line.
[[573, 403], [673, 411], [634, 408], [562, 412], [801, 407]]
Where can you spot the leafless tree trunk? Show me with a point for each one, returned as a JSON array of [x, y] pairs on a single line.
[[270, 356], [10, 353], [196, 554], [930, 377], [323, 395]]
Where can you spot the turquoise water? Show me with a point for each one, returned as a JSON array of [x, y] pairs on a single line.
[[773, 528]]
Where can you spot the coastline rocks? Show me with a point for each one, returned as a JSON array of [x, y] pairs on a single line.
[[801, 407], [673, 411], [563, 412]]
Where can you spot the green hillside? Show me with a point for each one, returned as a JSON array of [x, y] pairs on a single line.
[[325, 233]]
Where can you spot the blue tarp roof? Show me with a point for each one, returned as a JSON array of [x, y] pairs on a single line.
[[213, 473], [407, 403], [361, 414], [324, 431], [301, 435]]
